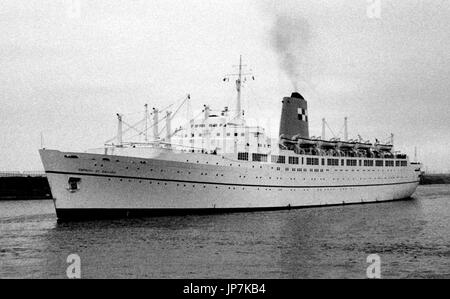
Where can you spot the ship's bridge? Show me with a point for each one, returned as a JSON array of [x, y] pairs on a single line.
[[222, 133]]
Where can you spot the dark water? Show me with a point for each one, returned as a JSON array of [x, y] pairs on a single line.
[[411, 237]]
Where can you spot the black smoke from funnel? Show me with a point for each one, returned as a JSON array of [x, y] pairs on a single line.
[[290, 35]]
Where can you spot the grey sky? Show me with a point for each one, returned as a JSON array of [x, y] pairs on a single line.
[[66, 72]]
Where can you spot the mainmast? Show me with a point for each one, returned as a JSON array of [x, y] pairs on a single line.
[[238, 88], [241, 78]]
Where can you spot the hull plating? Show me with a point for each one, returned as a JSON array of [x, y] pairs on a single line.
[[127, 187]]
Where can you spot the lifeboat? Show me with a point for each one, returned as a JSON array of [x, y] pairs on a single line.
[[346, 145], [285, 140], [384, 147], [362, 145], [304, 142], [327, 144]]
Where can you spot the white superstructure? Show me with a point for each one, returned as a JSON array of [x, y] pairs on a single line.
[[218, 163]]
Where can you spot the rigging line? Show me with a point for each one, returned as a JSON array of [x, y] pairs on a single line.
[[200, 113], [163, 128], [141, 121], [341, 130], [132, 113], [184, 126], [128, 129], [159, 121], [187, 123], [133, 126], [139, 134], [181, 105], [164, 109], [160, 132], [124, 132], [334, 135]]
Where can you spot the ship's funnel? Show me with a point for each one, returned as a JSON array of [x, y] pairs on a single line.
[[294, 117]]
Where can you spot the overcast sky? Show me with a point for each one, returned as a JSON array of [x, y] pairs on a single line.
[[67, 66]]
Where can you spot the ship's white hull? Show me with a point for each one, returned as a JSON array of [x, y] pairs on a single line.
[[126, 186]]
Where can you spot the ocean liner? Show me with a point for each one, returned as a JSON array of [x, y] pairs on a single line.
[[217, 162]]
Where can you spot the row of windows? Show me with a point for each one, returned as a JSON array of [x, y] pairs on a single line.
[[389, 163], [217, 134], [213, 142], [293, 160], [401, 163], [312, 161], [243, 156], [315, 161], [332, 162], [368, 162], [210, 125], [278, 159], [259, 158], [352, 162]]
